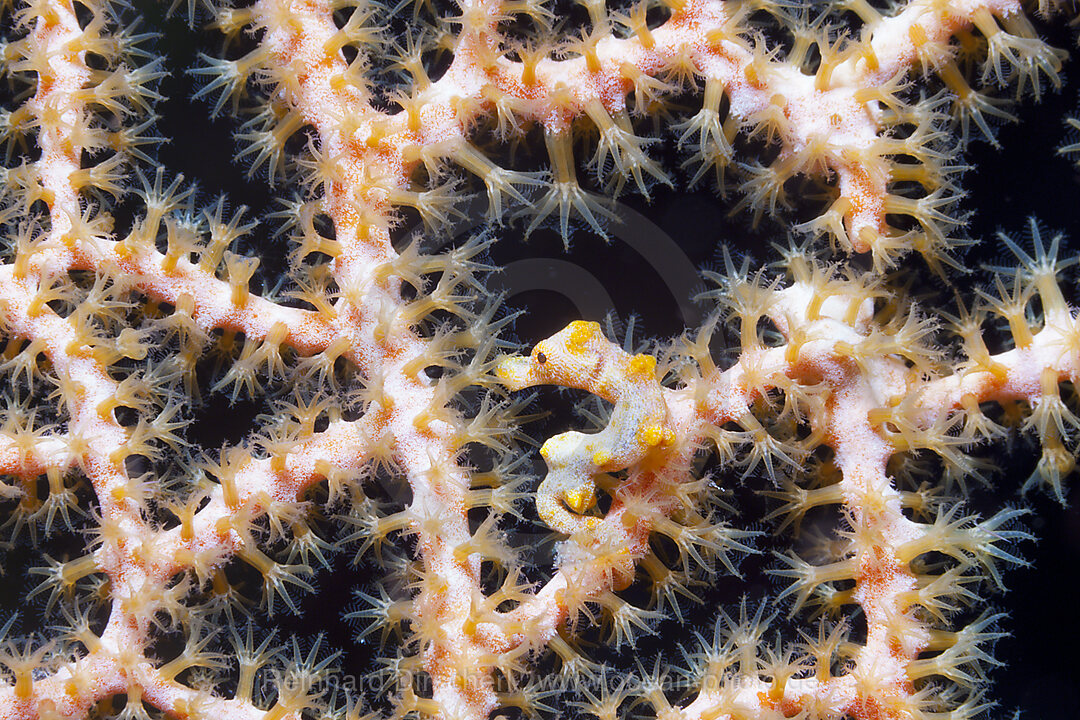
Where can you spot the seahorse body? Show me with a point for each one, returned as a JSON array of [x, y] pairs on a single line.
[[579, 356]]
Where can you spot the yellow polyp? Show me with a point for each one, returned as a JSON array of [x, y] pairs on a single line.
[[105, 408], [917, 34], [168, 263], [852, 312], [791, 352], [36, 306], [669, 436], [118, 494], [375, 137], [751, 74], [1018, 326], [240, 294], [223, 526], [13, 346], [220, 583], [469, 626], [75, 347], [228, 491], [871, 58], [845, 349], [528, 72], [601, 458], [954, 80], [1055, 453], [330, 247], [1048, 379], [592, 60], [984, 20], [645, 36], [865, 95], [277, 463], [868, 236], [582, 331], [1050, 293], [185, 304], [278, 332], [19, 266], [897, 440], [824, 75], [865, 11], [878, 416], [426, 706], [643, 364], [24, 684], [278, 712]]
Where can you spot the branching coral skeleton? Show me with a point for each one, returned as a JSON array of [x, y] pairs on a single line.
[[111, 328]]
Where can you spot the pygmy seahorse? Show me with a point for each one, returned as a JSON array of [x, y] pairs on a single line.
[[579, 356]]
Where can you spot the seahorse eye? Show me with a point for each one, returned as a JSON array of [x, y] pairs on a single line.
[[541, 358]]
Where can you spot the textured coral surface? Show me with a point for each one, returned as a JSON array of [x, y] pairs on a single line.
[[345, 453]]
